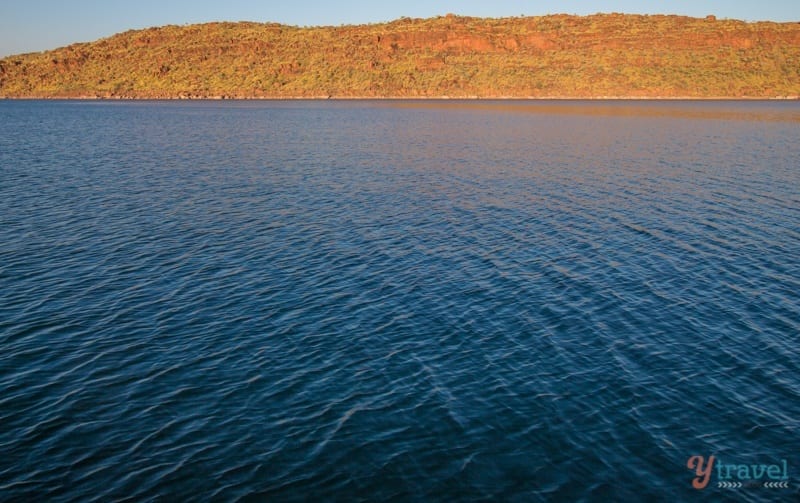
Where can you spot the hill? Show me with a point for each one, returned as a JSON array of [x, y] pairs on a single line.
[[559, 55]]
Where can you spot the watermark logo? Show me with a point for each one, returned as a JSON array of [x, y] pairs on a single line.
[[702, 469], [735, 476]]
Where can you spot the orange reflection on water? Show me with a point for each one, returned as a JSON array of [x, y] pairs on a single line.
[[747, 110]]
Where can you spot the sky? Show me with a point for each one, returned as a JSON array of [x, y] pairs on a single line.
[[37, 25]]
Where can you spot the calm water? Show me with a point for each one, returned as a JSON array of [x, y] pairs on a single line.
[[397, 300]]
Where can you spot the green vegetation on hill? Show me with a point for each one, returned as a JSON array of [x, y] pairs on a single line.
[[559, 55]]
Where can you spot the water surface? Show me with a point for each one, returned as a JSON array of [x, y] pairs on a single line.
[[418, 300]]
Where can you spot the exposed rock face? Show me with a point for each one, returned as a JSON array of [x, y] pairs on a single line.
[[559, 55]]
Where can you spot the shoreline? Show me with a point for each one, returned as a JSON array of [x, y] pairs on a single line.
[[400, 98]]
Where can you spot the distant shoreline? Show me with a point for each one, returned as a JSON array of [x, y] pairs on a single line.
[[403, 98]]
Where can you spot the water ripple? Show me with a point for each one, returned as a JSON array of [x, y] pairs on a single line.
[[370, 300]]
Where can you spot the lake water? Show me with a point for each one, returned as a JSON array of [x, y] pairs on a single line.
[[410, 300]]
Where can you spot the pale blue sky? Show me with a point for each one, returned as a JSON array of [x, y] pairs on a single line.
[[35, 25]]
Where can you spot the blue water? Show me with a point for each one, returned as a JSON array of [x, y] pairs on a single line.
[[420, 301]]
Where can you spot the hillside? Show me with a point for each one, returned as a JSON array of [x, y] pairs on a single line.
[[558, 55]]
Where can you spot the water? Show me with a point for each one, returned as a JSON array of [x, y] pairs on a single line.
[[397, 300]]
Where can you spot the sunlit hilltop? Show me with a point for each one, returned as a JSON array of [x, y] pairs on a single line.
[[604, 55]]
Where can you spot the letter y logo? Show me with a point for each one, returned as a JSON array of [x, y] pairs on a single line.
[[703, 473]]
